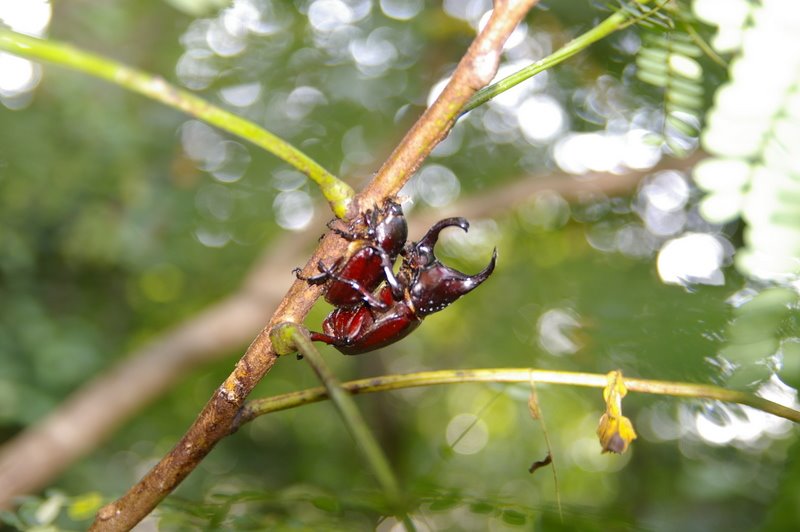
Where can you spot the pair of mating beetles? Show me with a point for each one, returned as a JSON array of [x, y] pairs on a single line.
[[367, 317]]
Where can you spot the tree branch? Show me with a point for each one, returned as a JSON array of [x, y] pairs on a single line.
[[475, 70], [215, 421]]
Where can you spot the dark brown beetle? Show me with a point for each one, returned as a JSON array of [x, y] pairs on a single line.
[[424, 286], [376, 239]]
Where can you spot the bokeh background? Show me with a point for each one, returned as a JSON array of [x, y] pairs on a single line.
[[643, 198]]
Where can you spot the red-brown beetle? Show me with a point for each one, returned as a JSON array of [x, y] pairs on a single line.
[[424, 286], [376, 239]]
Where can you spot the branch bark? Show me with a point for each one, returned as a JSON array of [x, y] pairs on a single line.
[[215, 421]]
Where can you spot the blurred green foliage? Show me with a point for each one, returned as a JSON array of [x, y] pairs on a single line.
[[103, 213]]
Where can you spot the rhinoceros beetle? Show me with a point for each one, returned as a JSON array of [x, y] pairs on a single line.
[[376, 239], [423, 286]]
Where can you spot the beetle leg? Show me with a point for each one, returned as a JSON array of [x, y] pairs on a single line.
[[321, 337], [350, 237], [391, 278], [320, 278], [366, 295]]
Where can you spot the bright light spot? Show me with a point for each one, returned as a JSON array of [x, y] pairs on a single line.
[[437, 89], [513, 98], [242, 95], [198, 139], [373, 55], [437, 185], [355, 147], [516, 37], [500, 124], [541, 118], [742, 424], [466, 434], [302, 101], [196, 68], [391, 524], [555, 328], [245, 16], [663, 196], [329, 15], [293, 209], [475, 246], [451, 144], [658, 423], [579, 152], [640, 153], [17, 75], [546, 212], [222, 42], [685, 66], [401, 9], [634, 241], [286, 180], [694, 258], [469, 10], [715, 430], [231, 160], [212, 238], [28, 16], [664, 223]]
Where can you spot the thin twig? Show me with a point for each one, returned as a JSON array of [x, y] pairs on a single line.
[[607, 27], [337, 192], [260, 407], [353, 420]]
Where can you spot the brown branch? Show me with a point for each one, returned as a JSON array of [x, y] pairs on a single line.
[[216, 419], [475, 70], [87, 417]]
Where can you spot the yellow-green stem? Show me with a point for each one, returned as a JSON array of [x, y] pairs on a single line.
[[266, 405], [613, 23], [355, 423], [337, 192]]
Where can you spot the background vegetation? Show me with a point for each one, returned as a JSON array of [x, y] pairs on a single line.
[[121, 219]]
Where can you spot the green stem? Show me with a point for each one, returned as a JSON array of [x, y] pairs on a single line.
[[353, 420], [258, 407], [613, 23], [337, 192]]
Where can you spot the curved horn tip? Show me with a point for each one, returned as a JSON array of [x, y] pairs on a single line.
[[463, 223], [490, 267]]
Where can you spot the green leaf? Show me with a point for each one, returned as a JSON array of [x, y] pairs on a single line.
[[482, 508], [513, 518], [327, 504]]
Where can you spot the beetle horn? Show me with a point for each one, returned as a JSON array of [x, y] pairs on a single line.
[[432, 236], [438, 286]]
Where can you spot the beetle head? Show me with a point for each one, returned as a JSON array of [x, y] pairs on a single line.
[[390, 230]]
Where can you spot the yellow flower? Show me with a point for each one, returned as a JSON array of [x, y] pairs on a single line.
[[615, 430]]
